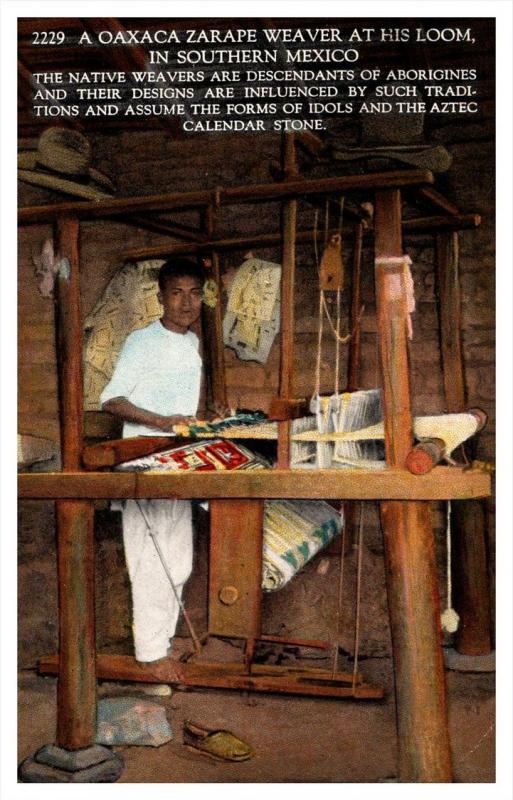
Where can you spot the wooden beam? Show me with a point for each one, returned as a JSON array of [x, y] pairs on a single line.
[[76, 689], [392, 329], [166, 227], [213, 322], [449, 309], [412, 587], [442, 483], [288, 278], [411, 226], [235, 568], [351, 510], [116, 451], [226, 676], [436, 199], [471, 590], [353, 367], [223, 196], [69, 337]]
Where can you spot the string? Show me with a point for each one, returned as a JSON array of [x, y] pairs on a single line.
[[339, 294], [340, 591], [358, 595], [449, 569], [320, 314]]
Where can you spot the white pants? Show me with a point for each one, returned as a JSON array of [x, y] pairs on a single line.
[[155, 607]]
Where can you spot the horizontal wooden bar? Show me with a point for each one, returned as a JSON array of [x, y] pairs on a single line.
[[437, 199], [282, 408], [438, 223], [410, 226], [221, 196], [116, 451], [225, 676], [442, 483], [316, 644]]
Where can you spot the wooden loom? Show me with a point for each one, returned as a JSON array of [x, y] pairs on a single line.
[[424, 751]]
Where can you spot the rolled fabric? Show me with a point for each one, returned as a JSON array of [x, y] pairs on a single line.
[[294, 532]]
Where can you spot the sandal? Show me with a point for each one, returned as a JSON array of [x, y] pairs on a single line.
[[220, 745]]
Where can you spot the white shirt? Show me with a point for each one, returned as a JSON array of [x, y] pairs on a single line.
[[157, 370]]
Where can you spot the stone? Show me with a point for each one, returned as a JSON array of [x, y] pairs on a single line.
[[72, 760], [53, 764], [460, 662]]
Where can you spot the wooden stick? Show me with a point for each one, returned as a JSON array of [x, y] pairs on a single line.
[[419, 225], [425, 455], [76, 690], [449, 306], [471, 591], [167, 227], [222, 196], [412, 588], [353, 367], [117, 451], [69, 335], [440, 202], [225, 676], [213, 322], [288, 266]]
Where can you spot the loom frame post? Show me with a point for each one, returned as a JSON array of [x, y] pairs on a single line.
[[76, 688], [424, 753], [471, 592], [288, 277]]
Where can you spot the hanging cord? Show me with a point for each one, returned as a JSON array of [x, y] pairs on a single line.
[[339, 294], [358, 596], [326, 221], [450, 618], [340, 598], [320, 313], [194, 637], [322, 300]]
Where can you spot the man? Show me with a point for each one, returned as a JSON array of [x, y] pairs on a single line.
[[156, 385]]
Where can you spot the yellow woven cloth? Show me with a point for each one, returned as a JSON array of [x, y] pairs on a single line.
[[294, 531]]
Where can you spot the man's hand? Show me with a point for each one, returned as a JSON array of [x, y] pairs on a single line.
[[125, 410], [168, 423], [218, 411]]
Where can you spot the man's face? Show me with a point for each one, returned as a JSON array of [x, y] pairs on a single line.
[[181, 299]]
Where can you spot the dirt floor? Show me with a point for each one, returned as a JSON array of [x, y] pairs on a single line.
[[295, 739]]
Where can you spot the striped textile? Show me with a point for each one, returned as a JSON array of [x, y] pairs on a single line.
[[294, 531]]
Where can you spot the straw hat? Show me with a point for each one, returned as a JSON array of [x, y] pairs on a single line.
[[62, 162]]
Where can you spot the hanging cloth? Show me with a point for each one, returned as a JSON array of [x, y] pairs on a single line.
[[252, 318]]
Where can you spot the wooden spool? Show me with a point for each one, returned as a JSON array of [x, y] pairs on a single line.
[[427, 454], [332, 267]]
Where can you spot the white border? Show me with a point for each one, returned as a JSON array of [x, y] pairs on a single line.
[[10, 10]]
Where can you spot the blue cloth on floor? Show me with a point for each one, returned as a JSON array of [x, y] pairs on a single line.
[[130, 720]]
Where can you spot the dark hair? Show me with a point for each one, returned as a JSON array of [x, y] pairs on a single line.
[[179, 268]]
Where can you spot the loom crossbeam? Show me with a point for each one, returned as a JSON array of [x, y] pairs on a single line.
[[261, 678], [442, 483]]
